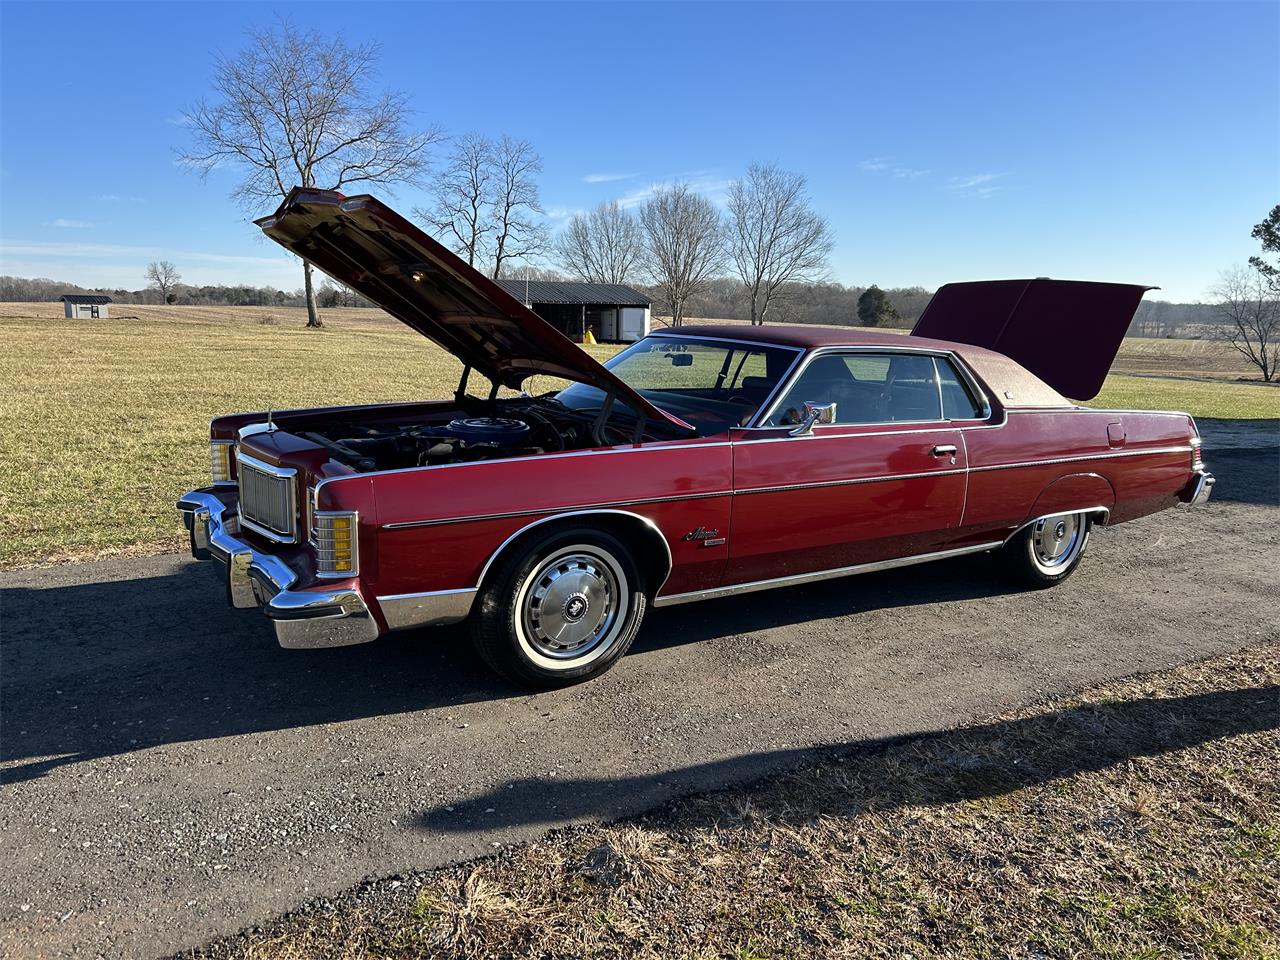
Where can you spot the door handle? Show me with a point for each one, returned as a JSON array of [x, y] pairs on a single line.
[[944, 450]]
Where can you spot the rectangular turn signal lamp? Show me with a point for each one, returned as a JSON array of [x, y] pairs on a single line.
[[334, 535]]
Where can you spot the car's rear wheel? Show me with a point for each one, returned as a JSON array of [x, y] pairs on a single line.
[[559, 609], [1048, 551]]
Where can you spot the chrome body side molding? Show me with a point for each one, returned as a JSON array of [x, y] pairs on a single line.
[[435, 608], [818, 575]]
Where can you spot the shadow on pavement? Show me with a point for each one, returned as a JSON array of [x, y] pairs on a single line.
[[94, 670], [964, 764]]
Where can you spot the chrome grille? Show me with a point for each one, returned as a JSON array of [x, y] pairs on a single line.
[[268, 499]]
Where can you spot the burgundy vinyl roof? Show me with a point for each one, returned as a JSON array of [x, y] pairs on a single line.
[[1010, 383], [796, 335]]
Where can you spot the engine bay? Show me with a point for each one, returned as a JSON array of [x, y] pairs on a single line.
[[486, 430]]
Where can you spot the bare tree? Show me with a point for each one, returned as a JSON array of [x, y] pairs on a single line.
[[463, 197], [684, 245], [518, 232], [775, 237], [603, 246], [1251, 318], [164, 276], [295, 108]]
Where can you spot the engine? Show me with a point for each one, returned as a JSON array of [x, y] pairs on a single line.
[[526, 427]]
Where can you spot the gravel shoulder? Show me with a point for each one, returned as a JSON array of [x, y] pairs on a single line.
[[171, 775]]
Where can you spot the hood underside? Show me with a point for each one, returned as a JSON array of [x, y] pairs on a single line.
[[1066, 332], [367, 246]]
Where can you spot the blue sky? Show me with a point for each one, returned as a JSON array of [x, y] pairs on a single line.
[[1130, 142]]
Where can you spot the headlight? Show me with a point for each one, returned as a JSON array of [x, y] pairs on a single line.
[[220, 453], [333, 533]]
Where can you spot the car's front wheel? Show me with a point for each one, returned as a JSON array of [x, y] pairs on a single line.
[[1048, 551], [560, 609]]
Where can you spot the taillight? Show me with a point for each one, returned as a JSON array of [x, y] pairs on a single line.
[[220, 455], [334, 535], [1197, 461]]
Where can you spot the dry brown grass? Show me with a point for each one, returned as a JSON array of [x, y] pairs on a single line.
[[1138, 820]]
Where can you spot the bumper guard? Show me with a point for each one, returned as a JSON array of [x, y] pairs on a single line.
[[302, 618], [1196, 493]]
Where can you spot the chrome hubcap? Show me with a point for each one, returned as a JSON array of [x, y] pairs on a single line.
[[570, 606], [1057, 540]]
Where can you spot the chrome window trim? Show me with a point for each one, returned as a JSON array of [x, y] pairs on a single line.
[[282, 473], [817, 575], [676, 332], [355, 543], [795, 374], [782, 380]]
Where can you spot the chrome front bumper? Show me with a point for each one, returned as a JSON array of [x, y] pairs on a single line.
[[1197, 491], [302, 618]]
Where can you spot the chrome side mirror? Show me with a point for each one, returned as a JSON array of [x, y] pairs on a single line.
[[814, 413]]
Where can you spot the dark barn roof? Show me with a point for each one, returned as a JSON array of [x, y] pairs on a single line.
[[89, 298], [565, 292]]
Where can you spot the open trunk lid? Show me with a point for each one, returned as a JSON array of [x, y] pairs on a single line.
[[1066, 332], [366, 245]]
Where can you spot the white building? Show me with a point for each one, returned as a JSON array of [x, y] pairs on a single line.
[[84, 306]]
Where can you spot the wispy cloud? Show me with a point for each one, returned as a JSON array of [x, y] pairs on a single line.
[[67, 223], [558, 215], [121, 198], [60, 250], [608, 177], [979, 184], [881, 165], [711, 186]]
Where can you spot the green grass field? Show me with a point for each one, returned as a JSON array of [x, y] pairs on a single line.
[[105, 422]]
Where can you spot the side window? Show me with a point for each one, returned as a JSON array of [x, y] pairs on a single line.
[[957, 401], [866, 388]]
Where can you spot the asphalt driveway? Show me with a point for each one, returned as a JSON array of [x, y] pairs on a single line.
[[170, 774]]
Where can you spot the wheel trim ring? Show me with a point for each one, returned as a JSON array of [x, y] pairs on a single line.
[[607, 637], [570, 606], [1057, 541]]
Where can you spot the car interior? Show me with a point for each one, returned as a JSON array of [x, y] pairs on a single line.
[[876, 388]]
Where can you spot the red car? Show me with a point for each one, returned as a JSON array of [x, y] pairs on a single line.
[[699, 462]]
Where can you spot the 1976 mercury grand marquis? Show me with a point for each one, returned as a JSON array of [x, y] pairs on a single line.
[[699, 462]]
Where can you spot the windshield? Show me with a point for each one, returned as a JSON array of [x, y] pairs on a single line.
[[710, 384]]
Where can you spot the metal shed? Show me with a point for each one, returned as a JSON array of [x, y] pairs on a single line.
[[84, 306], [611, 311]]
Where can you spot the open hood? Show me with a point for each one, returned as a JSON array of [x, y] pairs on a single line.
[[369, 247], [1066, 332]]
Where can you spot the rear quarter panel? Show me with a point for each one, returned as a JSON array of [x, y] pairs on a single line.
[[1038, 460]]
